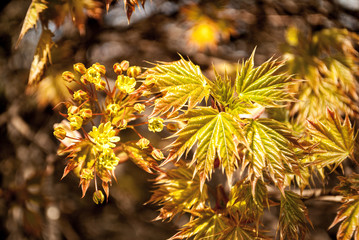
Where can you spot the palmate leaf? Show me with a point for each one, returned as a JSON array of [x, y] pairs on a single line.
[[293, 217], [178, 191], [349, 216], [210, 225], [180, 82], [261, 84], [42, 55], [247, 201], [271, 147], [335, 139], [32, 15], [217, 135]]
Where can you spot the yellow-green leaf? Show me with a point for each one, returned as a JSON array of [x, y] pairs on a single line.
[[179, 82], [41, 57], [349, 216], [178, 191], [32, 15], [262, 85], [293, 217], [335, 139], [271, 148], [217, 135]]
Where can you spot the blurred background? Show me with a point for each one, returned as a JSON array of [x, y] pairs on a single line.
[[34, 203]]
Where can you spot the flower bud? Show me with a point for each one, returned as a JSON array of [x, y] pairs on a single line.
[[143, 143], [155, 124], [72, 110], [139, 107], [80, 68], [117, 68], [86, 174], [133, 71], [122, 124], [150, 80], [80, 96], [75, 122], [124, 65], [84, 79], [112, 109], [68, 76], [157, 154], [60, 132], [98, 197], [100, 68], [100, 85], [172, 127], [86, 113]]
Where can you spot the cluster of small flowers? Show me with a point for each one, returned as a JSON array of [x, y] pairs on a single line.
[[119, 106]]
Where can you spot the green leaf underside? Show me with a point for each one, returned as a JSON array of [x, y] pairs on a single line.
[[215, 133], [349, 216], [246, 205], [180, 82], [178, 191], [261, 84], [41, 57], [32, 15], [293, 217], [335, 139], [270, 147]]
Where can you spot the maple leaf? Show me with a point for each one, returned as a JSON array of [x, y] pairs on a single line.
[[335, 139], [293, 216], [180, 82], [271, 146], [216, 134], [247, 201], [207, 224], [32, 16], [261, 84], [349, 216], [42, 55], [177, 191]]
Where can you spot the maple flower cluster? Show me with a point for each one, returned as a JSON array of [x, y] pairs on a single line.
[[96, 152]]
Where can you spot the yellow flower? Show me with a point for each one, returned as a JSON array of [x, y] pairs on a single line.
[[125, 84], [104, 136], [143, 143], [155, 124]]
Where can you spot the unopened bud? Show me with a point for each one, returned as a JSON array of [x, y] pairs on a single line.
[[86, 113], [98, 197], [139, 107], [60, 133], [80, 95], [75, 122], [72, 109], [157, 154], [68, 76], [100, 68], [143, 143], [117, 68], [80, 68], [124, 65], [122, 124], [150, 80], [173, 127], [84, 79], [133, 71]]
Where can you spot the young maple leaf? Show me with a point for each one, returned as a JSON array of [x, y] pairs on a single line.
[[179, 82], [216, 134], [293, 216], [335, 139], [178, 191], [270, 147], [262, 85], [32, 16], [349, 216]]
